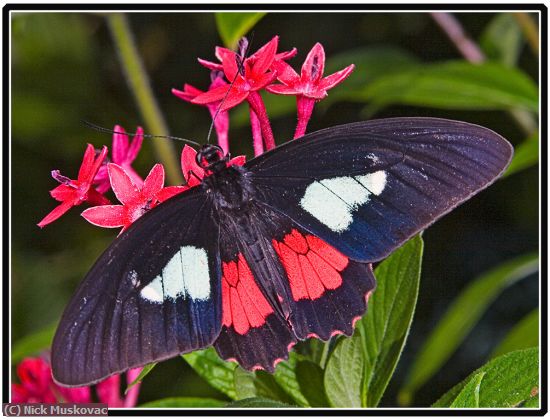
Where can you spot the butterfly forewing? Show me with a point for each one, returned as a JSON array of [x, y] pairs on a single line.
[[153, 294], [367, 187]]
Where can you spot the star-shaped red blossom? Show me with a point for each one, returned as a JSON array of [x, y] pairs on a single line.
[[253, 75], [73, 192], [192, 173], [135, 201], [123, 154], [309, 86]]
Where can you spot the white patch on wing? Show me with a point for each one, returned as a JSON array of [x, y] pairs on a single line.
[[332, 200], [375, 182], [197, 274], [153, 291], [186, 274]]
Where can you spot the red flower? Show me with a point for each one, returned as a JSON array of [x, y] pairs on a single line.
[[309, 86], [221, 123], [73, 192], [123, 154], [135, 201], [192, 173], [37, 386], [254, 75]]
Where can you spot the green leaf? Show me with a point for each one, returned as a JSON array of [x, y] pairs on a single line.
[[184, 402], [302, 379], [532, 402], [258, 403], [510, 380], [310, 378], [233, 26], [344, 373], [525, 334], [32, 344], [385, 327], [525, 155], [455, 85], [360, 367], [502, 39], [469, 395], [144, 372], [258, 384], [370, 63], [285, 376], [461, 317], [214, 370]]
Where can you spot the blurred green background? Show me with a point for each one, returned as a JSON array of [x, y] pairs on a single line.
[[65, 68]]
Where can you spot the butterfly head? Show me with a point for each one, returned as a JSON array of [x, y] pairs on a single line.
[[211, 158]]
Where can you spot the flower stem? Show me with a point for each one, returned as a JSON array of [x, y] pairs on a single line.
[[138, 82], [257, 104], [304, 107], [257, 141]]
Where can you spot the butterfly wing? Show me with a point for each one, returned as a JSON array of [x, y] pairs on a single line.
[[154, 293], [280, 284], [365, 188]]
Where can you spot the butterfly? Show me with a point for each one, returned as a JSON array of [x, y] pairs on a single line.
[[260, 256]]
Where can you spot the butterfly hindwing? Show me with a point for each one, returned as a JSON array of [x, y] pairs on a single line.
[[281, 284], [367, 187], [153, 294]]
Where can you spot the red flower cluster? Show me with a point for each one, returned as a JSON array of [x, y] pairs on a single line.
[[37, 386], [235, 79]]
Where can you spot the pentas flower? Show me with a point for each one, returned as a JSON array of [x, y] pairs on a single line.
[[37, 386], [246, 80], [309, 86], [221, 121], [123, 153], [135, 201], [73, 192], [192, 173]]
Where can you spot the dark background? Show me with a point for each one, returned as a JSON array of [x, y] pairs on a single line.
[[65, 69]]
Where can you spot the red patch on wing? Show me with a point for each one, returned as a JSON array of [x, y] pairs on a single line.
[[312, 265], [243, 304]]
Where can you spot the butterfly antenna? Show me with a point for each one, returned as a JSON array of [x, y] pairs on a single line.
[[151, 136], [243, 49]]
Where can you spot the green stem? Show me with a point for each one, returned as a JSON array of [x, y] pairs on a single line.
[[138, 81]]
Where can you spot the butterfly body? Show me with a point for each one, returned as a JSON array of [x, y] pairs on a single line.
[[261, 256]]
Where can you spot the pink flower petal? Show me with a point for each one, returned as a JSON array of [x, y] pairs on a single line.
[[285, 55], [95, 198], [80, 395], [263, 80], [131, 397], [95, 167], [120, 145], [56, 213], [314, 64], [63, 192], [87, 164], [135, 146], [168, 192], [283, 90], [230, 68], [234, 98], [189, 166], [154, 182], [285, 73], [210, 65], [105, 216], [212, 95], [238, 160], [188, 93], [330, 81], [265, 56], [121, 183], [108, 392]]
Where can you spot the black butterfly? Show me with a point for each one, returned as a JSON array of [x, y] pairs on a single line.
[[278, 250]]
